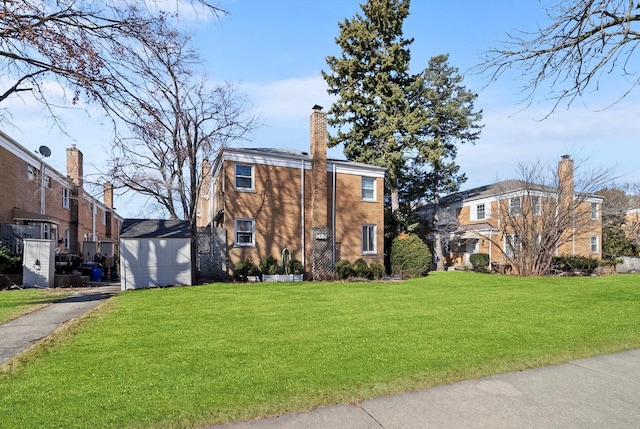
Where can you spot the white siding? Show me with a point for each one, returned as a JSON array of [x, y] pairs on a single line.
[[152, 262]]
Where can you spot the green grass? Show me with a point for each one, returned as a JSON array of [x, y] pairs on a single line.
[[14, 303], [186, 357]]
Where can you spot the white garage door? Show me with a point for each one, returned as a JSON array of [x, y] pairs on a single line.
[[153, 262]]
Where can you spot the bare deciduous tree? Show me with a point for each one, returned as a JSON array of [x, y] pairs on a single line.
[[544, 212], [176, 122], [585, 40], [79, 44]]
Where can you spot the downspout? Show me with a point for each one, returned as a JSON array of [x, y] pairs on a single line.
[[333, 216], [302, 210], [93, 221]]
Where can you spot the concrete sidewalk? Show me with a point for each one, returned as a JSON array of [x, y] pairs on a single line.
[[19, 334], [600, 392]]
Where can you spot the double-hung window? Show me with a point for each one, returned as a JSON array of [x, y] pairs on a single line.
[[515, 206], [368, 189], [245, 232], [243, 177], [594, 211], [594, 244], [480, 212], [535, 206], [511, 245], [65, 198], [31, 172], [368, 239]]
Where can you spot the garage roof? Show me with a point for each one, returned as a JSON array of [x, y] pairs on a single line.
[[155, 228]]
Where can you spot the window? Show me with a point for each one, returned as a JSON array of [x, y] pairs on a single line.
[[515, 206], [45, 231], [47, 182], [535, 206], [31, 172], [511, 244], [104, 217], [368, 239], [67, 238], [245, 232], [594, 244], [480, 214], [65, 198], [594, 212], [244, 177], [368, 188]]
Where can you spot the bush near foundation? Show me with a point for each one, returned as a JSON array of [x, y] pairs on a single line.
[[410, 256], [479, 262]]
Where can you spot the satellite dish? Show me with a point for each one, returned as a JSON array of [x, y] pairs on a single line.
[[44, 151]]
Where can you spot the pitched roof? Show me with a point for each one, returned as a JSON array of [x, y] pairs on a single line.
[[155, 228]]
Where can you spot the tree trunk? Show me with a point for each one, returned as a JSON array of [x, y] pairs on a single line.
[[395, 209], [437, 248]]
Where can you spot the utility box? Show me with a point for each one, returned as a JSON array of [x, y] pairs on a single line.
[[38, 263]]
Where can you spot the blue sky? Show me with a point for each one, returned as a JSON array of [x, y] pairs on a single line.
[[274, 50]]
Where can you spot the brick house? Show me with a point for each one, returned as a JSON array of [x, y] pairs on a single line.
[[480, 218], [322, 210], [36, 201]]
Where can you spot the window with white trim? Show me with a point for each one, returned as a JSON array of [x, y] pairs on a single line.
[[47, 182], [368, 189], [244, 232], [31, 172], [535, 206], [104, 217], [368, 239], [511, 244], [243, 177], [480, 212], [594, 211], [595, 248], [45, 231], [67, 238], [515, 206], [65, 198]]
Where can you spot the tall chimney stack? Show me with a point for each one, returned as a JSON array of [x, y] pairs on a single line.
[[319, 138], [74, 165], [565, 181], [108, 194]]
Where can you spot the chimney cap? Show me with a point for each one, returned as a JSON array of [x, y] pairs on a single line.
[[566, 156], [317, 107]]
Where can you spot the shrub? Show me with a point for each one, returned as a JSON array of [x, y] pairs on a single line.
[[244, 269], [362, 269], [295, 267], [9, 264], [377, 270], [270, 266], [410, 256], [344, 270], [480, 262], [572, 264]]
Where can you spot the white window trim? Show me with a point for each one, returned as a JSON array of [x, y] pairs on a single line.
[[235, 176], [511, 206], [375, 239], [66, 198], [235, 232], [31, 172], [535, 212], [375, 196], [597, 244], [104, 217], [596, 211], [67, 238]]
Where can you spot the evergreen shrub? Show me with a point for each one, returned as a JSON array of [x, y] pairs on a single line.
[[410, 256]]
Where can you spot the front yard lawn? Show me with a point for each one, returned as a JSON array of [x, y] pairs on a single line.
[[14, 303], [185, 357]]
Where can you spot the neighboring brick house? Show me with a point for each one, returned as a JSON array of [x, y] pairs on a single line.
[[478, 218], [322, 210], [51, 205]]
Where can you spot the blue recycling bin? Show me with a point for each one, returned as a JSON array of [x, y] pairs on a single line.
[[96, 274]]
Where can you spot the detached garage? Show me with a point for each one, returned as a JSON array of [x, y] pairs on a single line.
[[154, 253]]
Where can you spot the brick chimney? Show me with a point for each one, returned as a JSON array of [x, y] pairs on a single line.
[[74, 165], [108, 194], [565, 181], [319, 167]]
